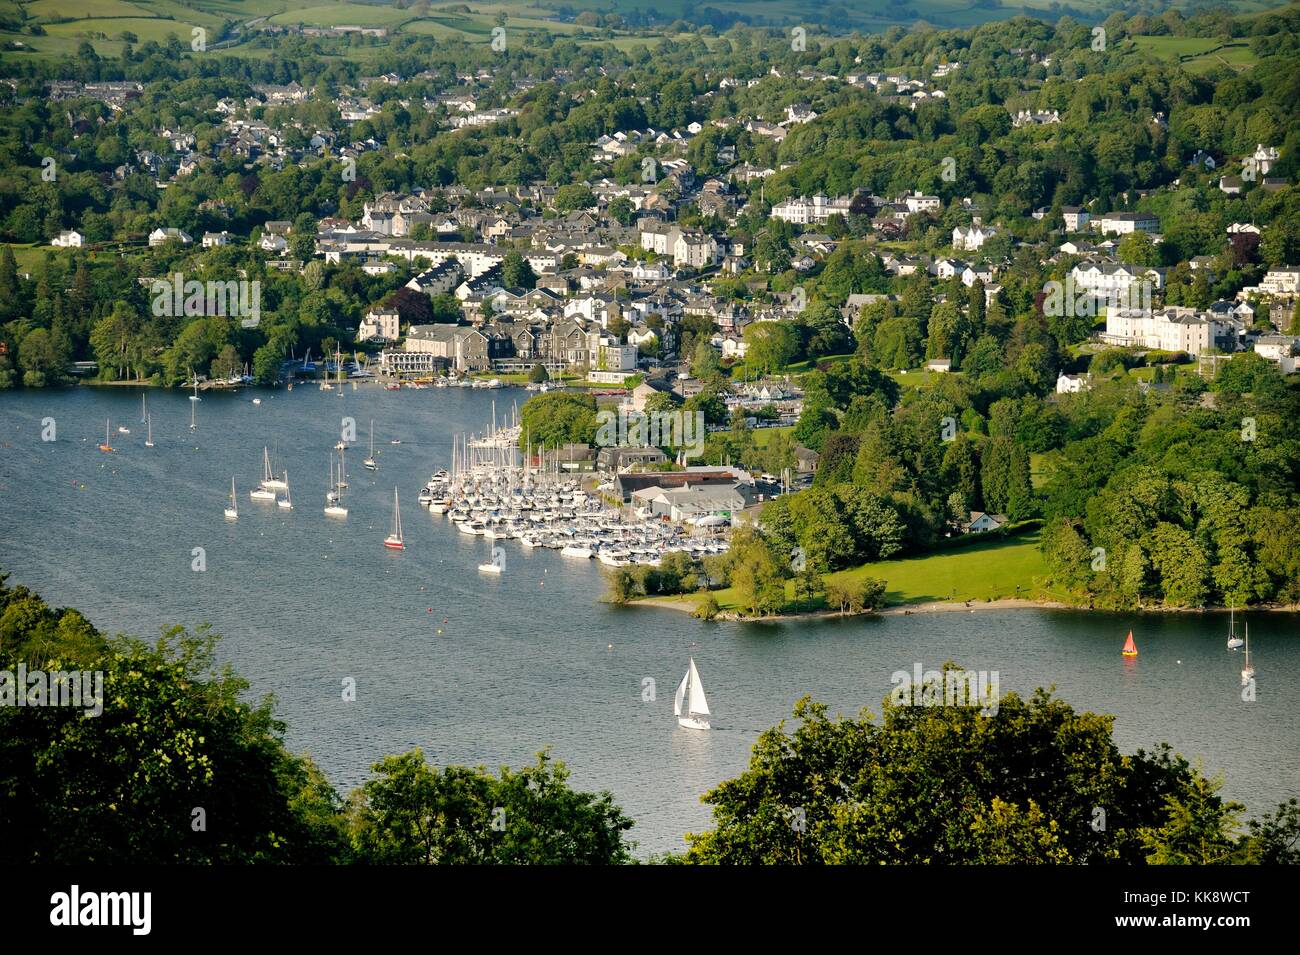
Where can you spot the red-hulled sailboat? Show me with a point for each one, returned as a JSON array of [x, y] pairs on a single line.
[[1130, 648]]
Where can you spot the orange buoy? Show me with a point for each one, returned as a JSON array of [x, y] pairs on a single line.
[[1130, 648]]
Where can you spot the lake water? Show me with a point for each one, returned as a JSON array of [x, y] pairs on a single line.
[[531, 658]]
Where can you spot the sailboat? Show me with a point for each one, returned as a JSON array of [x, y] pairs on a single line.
[[148, 441], [691, 690], [106, 447], [232, 511], [394, 540], [285, 502], [343, 471], [334, 497], [1234, 641], [269, 482], [193, 424], [263, 492], [1130, 648], [1247, 671], [369, 463]]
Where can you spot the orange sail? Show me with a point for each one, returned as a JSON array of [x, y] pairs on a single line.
[[1130, 648]]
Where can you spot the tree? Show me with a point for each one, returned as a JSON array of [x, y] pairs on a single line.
[[173, 734], [516, 272], [538, 373], [1016, 782], [411, 813], [622, 211], [38, 358], [771, 346]]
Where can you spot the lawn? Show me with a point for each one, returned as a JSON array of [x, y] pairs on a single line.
[[991, 571]]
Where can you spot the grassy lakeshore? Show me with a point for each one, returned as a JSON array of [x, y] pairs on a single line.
[[1006, 570]]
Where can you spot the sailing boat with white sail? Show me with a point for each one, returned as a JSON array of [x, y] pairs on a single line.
[[148, 441], [1234, 641], [106, 447], [369, 463], [1247, 671], [334, 497], [193, 424], [269, 482], [691, 692], [285, 502], [264, 491], [394, 540], [232, 511]]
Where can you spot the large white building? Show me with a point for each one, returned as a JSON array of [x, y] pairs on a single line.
[[1110, 280], [805, 211], [1172, 329], [1123, 223]]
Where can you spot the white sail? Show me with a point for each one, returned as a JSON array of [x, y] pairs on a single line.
[[698, 705], [681, 692]]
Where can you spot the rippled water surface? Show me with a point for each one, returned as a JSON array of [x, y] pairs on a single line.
[[531, 658]]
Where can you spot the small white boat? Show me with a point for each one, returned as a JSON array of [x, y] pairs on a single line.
[[123, 429], [232, 511], [491, 568], [257, 401], [691, 692], [576, 550], [148, 441], [269, 482]]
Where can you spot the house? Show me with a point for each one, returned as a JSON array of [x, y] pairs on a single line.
[[1124, 223], [1263, 159], [917, 202], [939, 364], [982, 522], [379, 325], [212, 240], [1075, 218], [1073, 384], [271, 242], [621, 459], [1284, 350], [971, 239], [1173, 328], [162, 236], [1230, 185], [72, 239], [806, 459], [1283, 282]]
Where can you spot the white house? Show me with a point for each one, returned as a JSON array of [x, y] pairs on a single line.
[[981, 522], [212, 240], [1075, 218], [379, 324], [1123, 223], [1072, 384], [969, 240], [72, 239], [917, 202], [1281, 349], [162, 236], [1283, 282]]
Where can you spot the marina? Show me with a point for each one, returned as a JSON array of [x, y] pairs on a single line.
[[428, 636]]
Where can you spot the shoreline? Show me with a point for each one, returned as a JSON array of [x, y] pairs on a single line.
[[937, 606]]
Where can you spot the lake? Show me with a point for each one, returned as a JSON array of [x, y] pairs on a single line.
[[480, 669]]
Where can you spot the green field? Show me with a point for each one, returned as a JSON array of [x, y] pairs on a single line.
[[71, 22], [977, 573], [1196, 54]]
